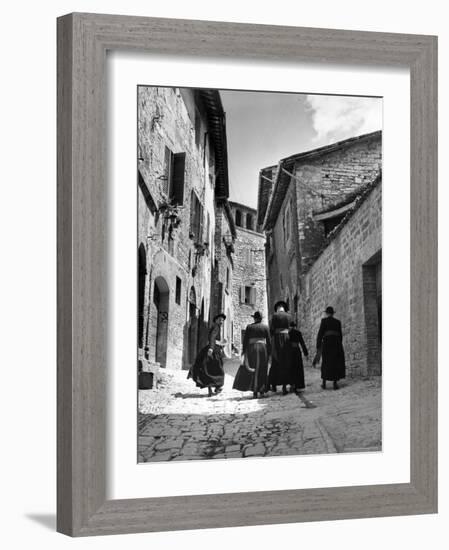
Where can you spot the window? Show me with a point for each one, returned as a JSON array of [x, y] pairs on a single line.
[[249, 222], [173, 181], [168, 171], [177, 181], [196, 218], [248, 256], [248, 295], [178, 291], [238, 218]]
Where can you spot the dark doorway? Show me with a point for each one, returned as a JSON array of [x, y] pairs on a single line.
[[201, 328], [372, 298], [161, 301], [142, 273], [193, 326]]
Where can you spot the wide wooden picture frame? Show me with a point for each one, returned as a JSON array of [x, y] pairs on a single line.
[[83, 40]]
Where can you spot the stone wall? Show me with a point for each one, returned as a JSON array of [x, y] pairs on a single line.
[[169, 118], [222, 277], [283, 257], [249, 270], [308, 270], [324, 181], [344, 277]]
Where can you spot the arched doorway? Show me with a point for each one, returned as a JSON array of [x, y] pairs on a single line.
[[161, 301], [201, 328], [193, 326], [142, 273], [228, 332]]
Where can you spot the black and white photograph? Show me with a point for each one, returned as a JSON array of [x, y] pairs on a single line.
[[259, 274]]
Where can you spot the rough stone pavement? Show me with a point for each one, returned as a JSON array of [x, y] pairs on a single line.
[[178, 421]]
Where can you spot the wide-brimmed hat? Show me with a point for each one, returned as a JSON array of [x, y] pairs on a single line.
[[218, 316], [279, 304], [330, 310], [257, 315]]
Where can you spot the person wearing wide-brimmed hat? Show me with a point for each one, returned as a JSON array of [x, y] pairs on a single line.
[[207, 370], [329, 344], [280, 357], [255, 351]]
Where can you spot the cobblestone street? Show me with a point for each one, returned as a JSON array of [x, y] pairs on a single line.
[[178, 421]]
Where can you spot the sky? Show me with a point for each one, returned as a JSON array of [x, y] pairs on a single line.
[[263, 128]]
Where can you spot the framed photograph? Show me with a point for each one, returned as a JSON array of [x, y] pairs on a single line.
[[247, 284]]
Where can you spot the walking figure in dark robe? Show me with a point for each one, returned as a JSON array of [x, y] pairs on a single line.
[[257, 349], [296, 344], [207, 370], [280, 356], [330, 346]]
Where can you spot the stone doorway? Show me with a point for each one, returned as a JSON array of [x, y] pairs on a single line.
[[161, 297], [142, 273], [201, 329], [372, 298], [193, 326]]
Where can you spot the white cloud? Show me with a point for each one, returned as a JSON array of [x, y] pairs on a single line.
[[339, 117]]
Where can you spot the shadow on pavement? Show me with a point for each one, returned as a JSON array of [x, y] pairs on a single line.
[[46, 520]]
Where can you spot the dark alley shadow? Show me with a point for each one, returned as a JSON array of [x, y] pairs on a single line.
[[46, 520]]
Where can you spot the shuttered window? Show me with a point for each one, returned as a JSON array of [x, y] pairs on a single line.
[[249, 222], [168, 162], [248, 295], [196, 218], [248, 256], [174, 176], [177, 188], [178, 291], [253, 296]]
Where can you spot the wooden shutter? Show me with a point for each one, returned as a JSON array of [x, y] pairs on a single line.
[[192, 212], [177, 190], [253, 296], [197, 219], [200, 223], [168, 161]]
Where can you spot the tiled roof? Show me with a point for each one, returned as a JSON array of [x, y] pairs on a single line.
[[217, 128]]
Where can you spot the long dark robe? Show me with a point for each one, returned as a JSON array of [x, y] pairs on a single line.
[[280, 358], [296, 344], [330, 342], [257, 353], [208, 372]]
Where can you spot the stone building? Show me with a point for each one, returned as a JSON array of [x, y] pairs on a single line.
[[182, 189], [322, 221], [248, 287], [223, 270]]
